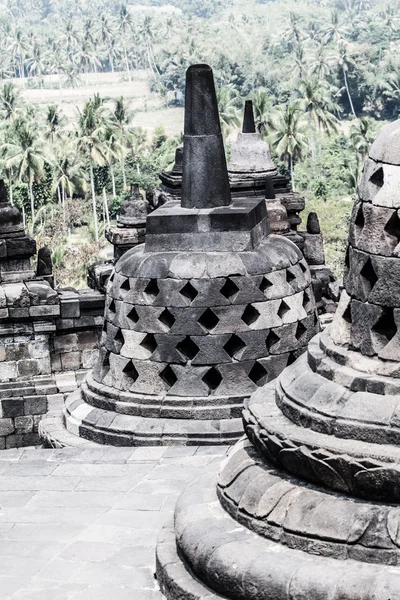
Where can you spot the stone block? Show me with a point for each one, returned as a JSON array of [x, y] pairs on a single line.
[[70, 308], [23, 424], [65, 343], [35, 405], [8, 370], [28, 367], [45, 311], [12, 407], [6, 427], [89, 358], [71, 361]]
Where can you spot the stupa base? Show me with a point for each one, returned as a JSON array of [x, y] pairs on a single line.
[[108, 427], [208, 554]]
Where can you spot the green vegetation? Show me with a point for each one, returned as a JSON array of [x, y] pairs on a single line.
[[323, 74]]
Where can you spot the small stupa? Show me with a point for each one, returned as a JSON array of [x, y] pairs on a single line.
[[307, 506], [131, 223], [207, 310]]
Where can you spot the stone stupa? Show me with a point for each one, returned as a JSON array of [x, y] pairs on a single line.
[[207, 310], [308, 506]]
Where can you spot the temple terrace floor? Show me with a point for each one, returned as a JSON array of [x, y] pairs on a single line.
[[82, 524]]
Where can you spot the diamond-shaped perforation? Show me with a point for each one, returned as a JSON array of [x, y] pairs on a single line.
[[130, 371], [250, 315], [208, 319], [347, 314], [265, 284], [258, 374], [392, 227], [291, 359], [303, 266], [283, 309], [189, 291], [112, 309], [272, 339], [133, 316], [386, 326], [300, 331], [149, 343], [359, 220], [377, 178], [306, 301], [229, 290], [368, 274], [152, 289], [168, 376], [212, 379], [126, 286], [347, 258], [167, 318], [105, 364], [105, 326], [234, 346], [119, 337], [289, 276], [111, 278], [188, 348]]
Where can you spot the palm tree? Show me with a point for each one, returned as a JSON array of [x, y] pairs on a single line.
[[335, 30], [264, 112], [36, 64], [228, 111], [90, 144], [345, 61], [121, 118], [289, 139], [146, 33], [68, 173], [18, 49], [54, 123], [362, 134], [316, 100], [25, 153], [321, 65], [125, 24], [10, 103], [113, 149]]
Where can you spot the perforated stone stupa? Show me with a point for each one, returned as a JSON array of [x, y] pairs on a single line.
[[307, 507], [206, 311]]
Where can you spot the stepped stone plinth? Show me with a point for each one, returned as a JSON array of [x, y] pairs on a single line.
[[307, 506], [16, 248], [210, 308], [131, 223]]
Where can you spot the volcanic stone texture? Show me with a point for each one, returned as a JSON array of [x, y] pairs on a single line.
[[307, 507], [187, 337]]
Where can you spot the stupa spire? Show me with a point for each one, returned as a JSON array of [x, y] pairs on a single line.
[[249, 125], [205, 179]]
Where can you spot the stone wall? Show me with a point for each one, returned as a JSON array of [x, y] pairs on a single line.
[[48, 341]]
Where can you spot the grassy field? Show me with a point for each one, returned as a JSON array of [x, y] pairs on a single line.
[[147, 106]]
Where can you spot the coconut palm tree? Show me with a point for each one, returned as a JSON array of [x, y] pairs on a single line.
[[24, 153], [90, 144], [289, 139], [345, 61], [54, 123], [335, 31], [121, 119], [362, 134], [321, 65], [10, 104], [315, 99], [125, 25], [264, 112], [229, 113]]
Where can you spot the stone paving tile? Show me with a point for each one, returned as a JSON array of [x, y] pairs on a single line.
[[80, 524]]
